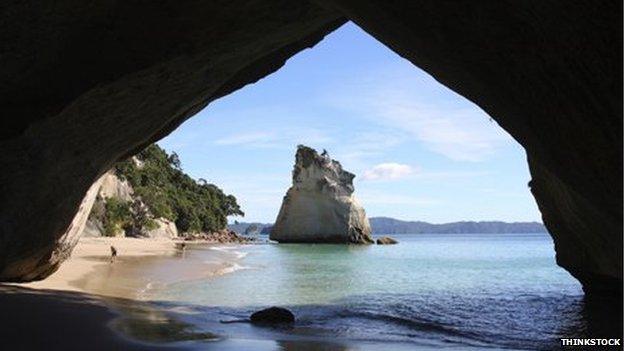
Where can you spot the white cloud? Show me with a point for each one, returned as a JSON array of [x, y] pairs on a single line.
[[460, 134], [277, 138], [387, 171], [365, 148], [246, 138], [423, 110]]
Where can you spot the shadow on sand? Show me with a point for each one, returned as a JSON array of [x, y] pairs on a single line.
[[61, 320]]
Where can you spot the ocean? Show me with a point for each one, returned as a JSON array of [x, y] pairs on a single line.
[[430, 291]]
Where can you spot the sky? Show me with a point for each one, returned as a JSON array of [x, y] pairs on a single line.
[[419, 151]]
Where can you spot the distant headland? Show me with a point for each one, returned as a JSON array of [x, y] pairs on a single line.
[[387, 225]]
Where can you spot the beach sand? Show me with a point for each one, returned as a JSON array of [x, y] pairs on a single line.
[[76, 307], [93, 253]]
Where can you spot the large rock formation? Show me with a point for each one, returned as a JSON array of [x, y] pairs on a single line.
[[88, 83], [112, 187], [320, 206], [43, 261]]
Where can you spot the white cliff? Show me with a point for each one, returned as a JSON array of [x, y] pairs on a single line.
[[320, 206], [113, 187]]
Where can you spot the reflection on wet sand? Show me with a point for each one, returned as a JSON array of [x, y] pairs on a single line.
[[143, 322]]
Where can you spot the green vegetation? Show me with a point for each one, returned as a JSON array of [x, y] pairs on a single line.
[[117, 216], [157, 178]]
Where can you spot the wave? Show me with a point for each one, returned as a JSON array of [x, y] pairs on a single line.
[[144, 293], [240, 254], [231, 269], [224, 248], [230, 250]]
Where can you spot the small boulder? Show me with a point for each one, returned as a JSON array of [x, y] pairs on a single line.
[[386, 240], [272, 316]]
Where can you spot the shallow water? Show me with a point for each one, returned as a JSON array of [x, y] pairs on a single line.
[[457, 291]]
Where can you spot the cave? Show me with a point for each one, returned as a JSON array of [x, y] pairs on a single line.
[[87, 84]]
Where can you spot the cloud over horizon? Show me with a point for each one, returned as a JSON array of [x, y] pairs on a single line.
[[457, 129], [388, 171], [277, 138]]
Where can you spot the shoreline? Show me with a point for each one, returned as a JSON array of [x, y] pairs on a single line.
[[89, 270], [114, 316], [108, 302], [93, 253]]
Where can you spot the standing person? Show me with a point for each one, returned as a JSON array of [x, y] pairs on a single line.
[[113, 254]]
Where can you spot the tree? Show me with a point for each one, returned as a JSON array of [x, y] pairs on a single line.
[[117, 216], [168, 192], [174, 160]]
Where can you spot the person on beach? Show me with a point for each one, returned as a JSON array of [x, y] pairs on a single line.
[[113, 254], [183, 249]]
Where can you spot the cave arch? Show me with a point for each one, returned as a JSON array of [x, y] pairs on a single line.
[[87, 85]]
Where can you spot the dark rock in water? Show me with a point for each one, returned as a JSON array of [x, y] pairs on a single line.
[[386, 240], [273, 315]]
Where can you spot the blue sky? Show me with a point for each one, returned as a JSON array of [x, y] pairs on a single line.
[[419, 150]]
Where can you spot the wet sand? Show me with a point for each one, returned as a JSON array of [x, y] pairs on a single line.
[[91, 303], [39, 319], [92, 254], [140, 264]]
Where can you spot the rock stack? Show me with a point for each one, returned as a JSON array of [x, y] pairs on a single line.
[[320, 206]]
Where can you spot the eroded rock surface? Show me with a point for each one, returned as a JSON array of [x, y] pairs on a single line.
[[320, 206], [44, 261], [113, 187], [165, 229]]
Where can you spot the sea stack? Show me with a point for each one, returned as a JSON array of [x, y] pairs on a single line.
[[320, 206]]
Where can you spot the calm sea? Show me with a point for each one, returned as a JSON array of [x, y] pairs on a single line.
[[500, 291]]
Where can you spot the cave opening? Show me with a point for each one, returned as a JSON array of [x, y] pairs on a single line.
[[420, 153], [413, 144]]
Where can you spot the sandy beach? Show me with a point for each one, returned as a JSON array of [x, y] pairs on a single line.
[[90, 301], [91, 253], [140, 264]]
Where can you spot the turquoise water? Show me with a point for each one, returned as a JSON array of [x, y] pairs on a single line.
[[442, 290]]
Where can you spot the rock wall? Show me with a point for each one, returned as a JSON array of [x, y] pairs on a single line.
[[165, 229], [114, 187], [111, 187], [320, 206], [44, 261]]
